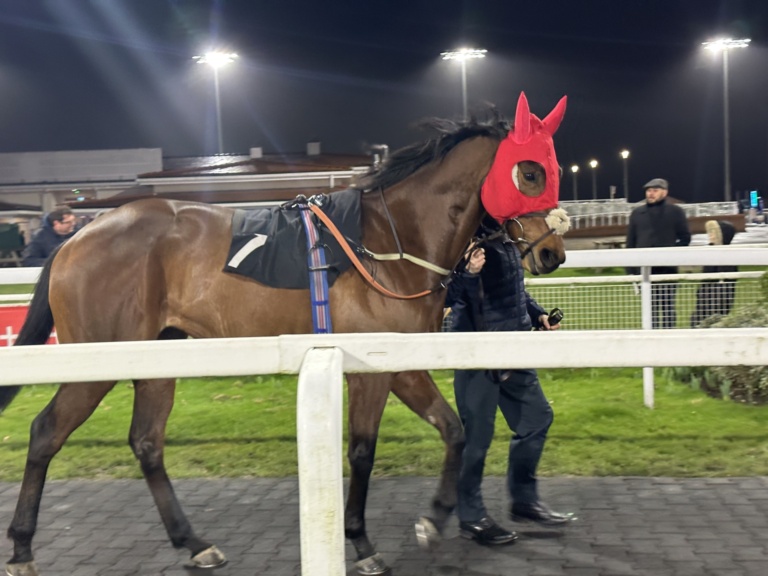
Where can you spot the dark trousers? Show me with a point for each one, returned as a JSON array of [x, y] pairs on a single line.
[[528, 414], [663, 313]]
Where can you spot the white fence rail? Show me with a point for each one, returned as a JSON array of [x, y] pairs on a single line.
[[383, 352], [644, 258], [606, 212]]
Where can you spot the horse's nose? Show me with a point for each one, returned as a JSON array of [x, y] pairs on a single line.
[[550, 259]]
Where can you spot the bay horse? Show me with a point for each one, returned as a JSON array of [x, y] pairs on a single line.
[[152, 269]]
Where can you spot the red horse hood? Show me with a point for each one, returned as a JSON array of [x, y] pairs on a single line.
[[529, 140]]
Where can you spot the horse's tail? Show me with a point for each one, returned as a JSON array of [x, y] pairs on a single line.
[[37, 326]]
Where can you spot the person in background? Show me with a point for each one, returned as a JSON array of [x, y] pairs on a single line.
[[659, 224], [488, 294], [58, 226], [715, 297]]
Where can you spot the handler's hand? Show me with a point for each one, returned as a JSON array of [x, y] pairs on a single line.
[[544, 321], [476, 260]]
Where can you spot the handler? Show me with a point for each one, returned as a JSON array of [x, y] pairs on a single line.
[[488, 294]]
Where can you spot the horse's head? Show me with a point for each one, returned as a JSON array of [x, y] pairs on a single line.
[[525, 175], [521, 189], [539, 235]]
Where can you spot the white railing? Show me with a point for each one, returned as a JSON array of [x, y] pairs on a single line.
[[586, 214], [643, 258], [604, 205]]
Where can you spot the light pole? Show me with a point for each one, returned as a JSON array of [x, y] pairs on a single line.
[[462, 55], [575, 170], [593, 165], [724, 45], [624, 157], [216, 60]]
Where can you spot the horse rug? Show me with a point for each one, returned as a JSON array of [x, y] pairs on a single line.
[[269, 244]]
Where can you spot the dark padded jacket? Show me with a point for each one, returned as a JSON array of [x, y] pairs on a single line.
[[657, 226], [495, 299], [43, 243]]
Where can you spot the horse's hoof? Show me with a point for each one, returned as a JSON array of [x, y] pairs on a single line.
[[209, 558], [22, 569], [372, 566], [427, 534]]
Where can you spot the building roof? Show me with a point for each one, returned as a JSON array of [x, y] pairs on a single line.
[[231, 164], [14, 207], [207, 196]]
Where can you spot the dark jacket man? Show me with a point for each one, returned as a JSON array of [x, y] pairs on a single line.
[[58, 225], [657, 224]]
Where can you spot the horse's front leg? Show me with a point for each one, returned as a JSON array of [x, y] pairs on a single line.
[[367, 397], [153, 400], [419, 392]]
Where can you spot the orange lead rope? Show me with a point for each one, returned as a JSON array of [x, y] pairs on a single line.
[[359, 265]]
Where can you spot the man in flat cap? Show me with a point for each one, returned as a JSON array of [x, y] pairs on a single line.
[[659, 223]]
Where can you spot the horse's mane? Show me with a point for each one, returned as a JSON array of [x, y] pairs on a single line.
[[405, 161]]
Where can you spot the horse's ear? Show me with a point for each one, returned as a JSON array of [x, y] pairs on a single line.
[[552, 121], [522, 130]]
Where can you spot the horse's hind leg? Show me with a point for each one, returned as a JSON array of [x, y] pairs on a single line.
[[367, 398], [69, 408], [153, 401], [419, 392]]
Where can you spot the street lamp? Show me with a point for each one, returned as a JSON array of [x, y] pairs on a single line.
[[462, 55], [574, 170], [624, 157], [593, 165], [216, 60], [724, 45]]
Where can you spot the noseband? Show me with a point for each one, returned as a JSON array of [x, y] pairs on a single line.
[[523, 241]]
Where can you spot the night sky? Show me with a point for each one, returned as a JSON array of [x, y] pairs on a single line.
[[101, 74]]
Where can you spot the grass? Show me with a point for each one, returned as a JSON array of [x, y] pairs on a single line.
[[246, 427]]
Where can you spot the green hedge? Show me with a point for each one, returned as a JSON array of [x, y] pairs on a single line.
[[747, 384]]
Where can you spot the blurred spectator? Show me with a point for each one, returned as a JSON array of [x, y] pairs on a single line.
[[659, 224], [58, 225], [715, 296]]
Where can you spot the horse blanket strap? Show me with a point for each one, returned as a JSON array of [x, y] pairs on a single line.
[[359, 266], [414, 259], [318, 275]]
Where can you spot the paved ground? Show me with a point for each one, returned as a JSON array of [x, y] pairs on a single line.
[[626, 526]]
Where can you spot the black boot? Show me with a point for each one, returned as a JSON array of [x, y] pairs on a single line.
[[539, 513], [487, 532]]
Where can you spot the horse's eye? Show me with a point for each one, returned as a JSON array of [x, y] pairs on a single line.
[[530, 176]]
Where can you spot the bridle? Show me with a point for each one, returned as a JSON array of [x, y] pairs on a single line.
[[522, 240]]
